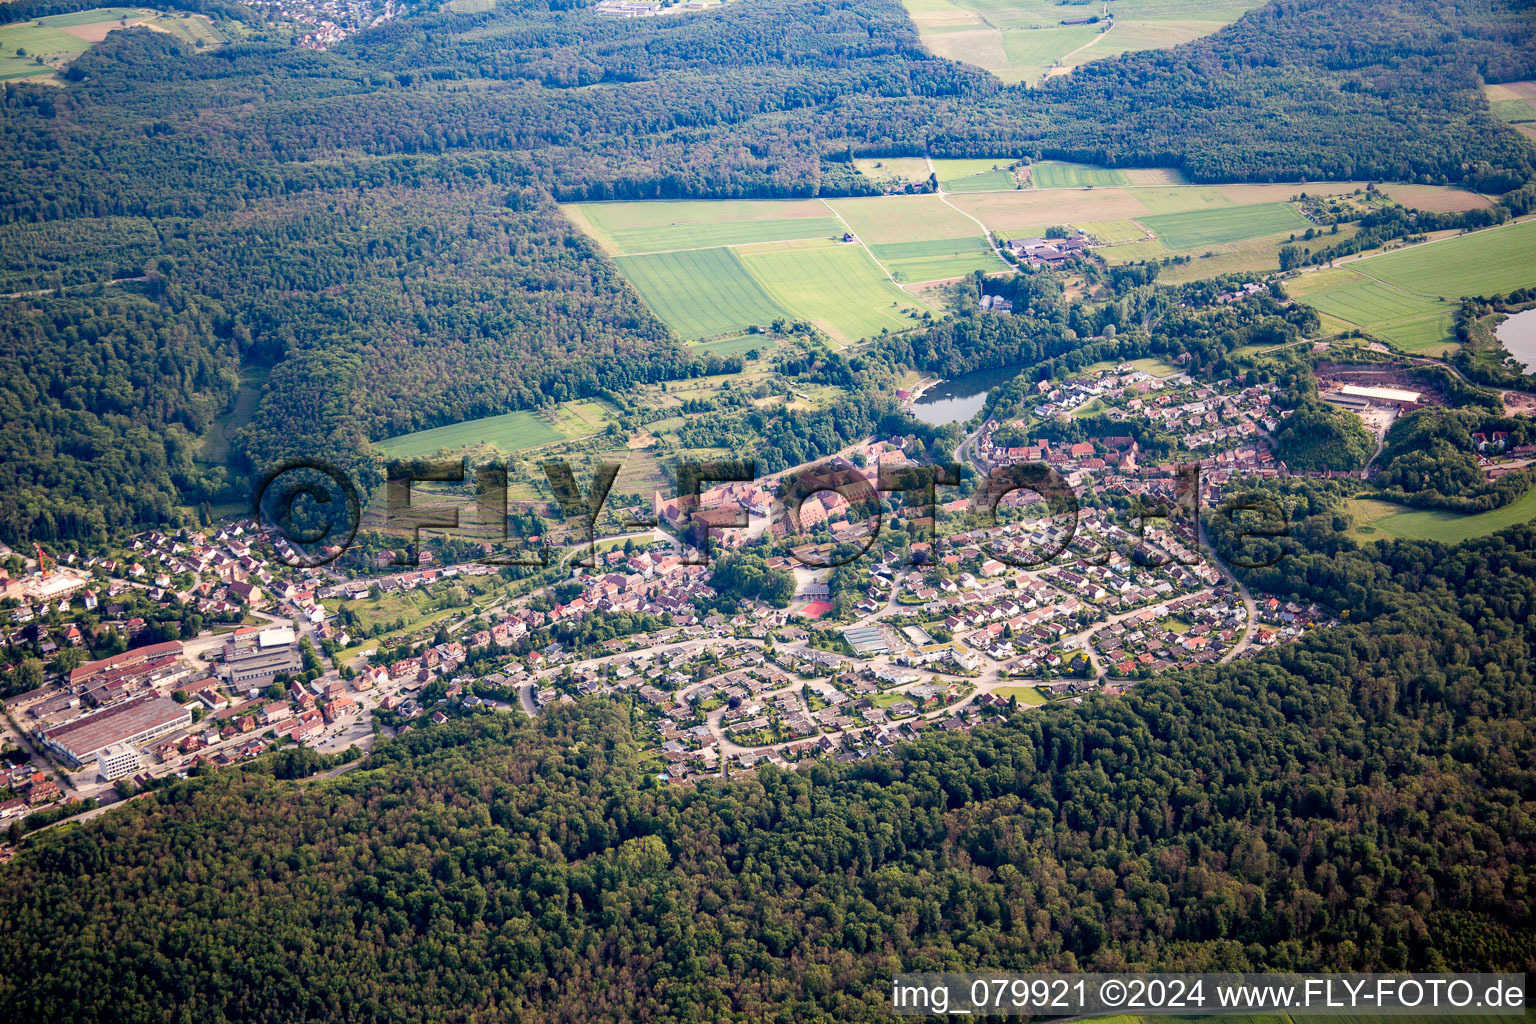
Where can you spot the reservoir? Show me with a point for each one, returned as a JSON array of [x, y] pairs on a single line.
[[1518, 336], [957, 400]]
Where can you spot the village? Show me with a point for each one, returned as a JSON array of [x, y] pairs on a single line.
[[220, 650]]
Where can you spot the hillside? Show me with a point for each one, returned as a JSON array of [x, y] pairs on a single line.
[[1361, 800]]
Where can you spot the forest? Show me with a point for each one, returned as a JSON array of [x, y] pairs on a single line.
[[1359, 800]]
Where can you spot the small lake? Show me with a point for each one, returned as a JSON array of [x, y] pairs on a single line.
[[1518, 336], [957, 400]]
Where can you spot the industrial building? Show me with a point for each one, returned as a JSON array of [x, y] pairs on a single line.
[[133, 723], [255, 657]]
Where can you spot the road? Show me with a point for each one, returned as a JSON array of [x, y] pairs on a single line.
[[943, 198]]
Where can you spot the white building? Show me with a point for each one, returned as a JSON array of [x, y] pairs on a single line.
[[117, 761]]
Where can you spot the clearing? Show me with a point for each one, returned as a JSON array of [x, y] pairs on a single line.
[[41, 47], [1028, 40], [507, 433], [1379, 520]]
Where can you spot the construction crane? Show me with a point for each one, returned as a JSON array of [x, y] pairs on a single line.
[[43, 558]]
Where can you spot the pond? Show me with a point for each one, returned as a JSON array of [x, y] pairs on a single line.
[[1518, 336], [957, 400]]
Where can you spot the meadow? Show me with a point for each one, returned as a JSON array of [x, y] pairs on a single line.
[[40, 47], [835, 286], [1025, 40], [1375, 520], [1216, 227], [801, 270], [974, 174], [1408, 296], [508, 433], [937, 260], [701, 292], [1057, 174], [1482, 263]]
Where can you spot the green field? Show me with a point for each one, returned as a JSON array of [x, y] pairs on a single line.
[[975, 174], [937, 260], [45, 38], [837, 287], [734, 346], [1362, 300], [1500, 259], [987, 181], [815, 277], [508, 433], [877, 220], [1199, 228], [893, 168], [1029, 695], [1379, 519], [1056, 174], [1409, 297], [1111, 231], [1025, 40], [630, 228], [1514, 111], [700, 292]]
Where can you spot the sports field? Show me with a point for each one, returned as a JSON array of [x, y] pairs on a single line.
[[1376, 520], [508, 433], [1408, 297], [1026, 40]]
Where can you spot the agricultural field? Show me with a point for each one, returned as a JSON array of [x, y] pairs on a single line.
[[1026, 40], [894, 169], [937, 260], [1381, 520], [918, 238], [836, 286], [626, 229], [507, 434], [975, 174], [1114, 232], [1408, 296], [1497, 260], [745, 264], [1056, 174], [1515, 102], [1227, 228], [37, 49], [1198, 228], [1434, 199], [701, 292]]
